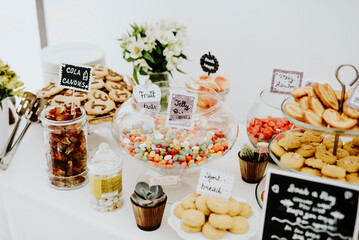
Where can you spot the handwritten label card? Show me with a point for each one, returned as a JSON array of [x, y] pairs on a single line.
[[306, 207], [353, 100], [76, 77], [148, 98], [164, 181], [285, 81], [215, 183], [181, 107]]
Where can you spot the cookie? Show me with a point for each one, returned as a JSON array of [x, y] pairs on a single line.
[[95, 94], [315, 105], [276, 149], [234, 207], [211, 232], [319, 146], [97, 83], [113, 76], [119, 95], [294, 111], [351, 148], [355, 141], [49, 90], [193, 218], [189, 201], [311, 171], [201, 204], [333, 171], [179, 209], [306, 150], [329, 142], [310, 137], [313, 118], [190, 229], [80, 96], [303, 103], [293, 134], [302, 91], [341, 153], [289, 143], [353, 178], [109, 85], [337, 120], [326, 95], [315, 163], [350, 164], [325, 156], [99, 71], [61, 100], [98, 107], [218, 205], [221, 221], [336, 179], [351, 112], [240, 225], [246, 210], [292, 160]]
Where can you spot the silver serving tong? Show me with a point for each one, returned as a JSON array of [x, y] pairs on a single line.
[[31, 116]]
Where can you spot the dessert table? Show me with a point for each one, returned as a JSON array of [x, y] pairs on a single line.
[[31, 209]]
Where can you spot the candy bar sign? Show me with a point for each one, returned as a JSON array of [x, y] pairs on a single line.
[[76, 77], [148, 97], [284, 81], [212, 182], [306, 207], [181, 107]]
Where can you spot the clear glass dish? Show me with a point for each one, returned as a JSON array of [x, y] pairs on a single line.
[[259, 192], [325, 130], [214, 133], [267, 110]]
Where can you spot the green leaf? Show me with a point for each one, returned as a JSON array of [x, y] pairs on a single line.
[[148, 56], [180, 70], [135, 69], [130, 59], [183, 56], [143, 73], [159, 50]]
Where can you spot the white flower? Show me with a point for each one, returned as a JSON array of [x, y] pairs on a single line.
[[172, 63], [165, 37], [143, 64], [136, 48], [149, 43]]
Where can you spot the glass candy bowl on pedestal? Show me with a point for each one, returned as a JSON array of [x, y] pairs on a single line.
[[176, 151]]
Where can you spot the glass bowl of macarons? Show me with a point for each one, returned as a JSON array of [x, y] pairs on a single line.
[[308, 152]]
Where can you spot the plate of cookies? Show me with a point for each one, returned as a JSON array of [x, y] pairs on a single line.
[[200, 217], [318, 108], [308, 152], [108, 91]]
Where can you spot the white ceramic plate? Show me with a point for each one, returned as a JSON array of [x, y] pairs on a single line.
[[253, 221]]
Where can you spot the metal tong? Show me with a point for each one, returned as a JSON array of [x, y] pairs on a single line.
[[31, 107]]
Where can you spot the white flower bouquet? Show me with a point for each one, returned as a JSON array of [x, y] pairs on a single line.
[[9, 83], [155, 48]]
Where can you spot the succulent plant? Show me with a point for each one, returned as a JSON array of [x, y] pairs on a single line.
[[247, 152], [144, 195]]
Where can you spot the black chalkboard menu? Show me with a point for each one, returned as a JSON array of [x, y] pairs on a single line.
[[303, 207], [75, 77]]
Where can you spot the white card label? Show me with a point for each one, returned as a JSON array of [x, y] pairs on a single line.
[[212, 182], [164, 181], [284, 81], [148, 98], [181, 107], [353, 100], [76, 77]]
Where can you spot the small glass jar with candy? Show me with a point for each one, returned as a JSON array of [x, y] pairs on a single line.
[[65, 138]]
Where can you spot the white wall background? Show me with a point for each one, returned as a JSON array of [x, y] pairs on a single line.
[[249, 37]]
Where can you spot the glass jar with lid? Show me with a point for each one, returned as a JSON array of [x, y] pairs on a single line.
[[65, 138], [105, 170]]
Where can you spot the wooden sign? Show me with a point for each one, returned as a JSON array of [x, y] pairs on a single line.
[[212, 182], [76, 77], [209, 63], [305, 207], [284, 81]]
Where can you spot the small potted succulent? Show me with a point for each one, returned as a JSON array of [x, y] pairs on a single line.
[[148, 205], [253, 162]]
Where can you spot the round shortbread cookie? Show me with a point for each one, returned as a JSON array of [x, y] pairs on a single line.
[[193, 218], [246, 210], [211, 232], [179, 209], [276, 149], [329, 142], [315, 163], [333, 171], [190, 229], [234, 207], [218, 205], [201, 204], [351, 148], [240, 225], [221, 221], [189, 201], [350, 164], [292, 160], [306, 150], [325, 156]]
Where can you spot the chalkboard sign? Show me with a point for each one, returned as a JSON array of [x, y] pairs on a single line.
[[304, 207], [75, 77], [209, 63]]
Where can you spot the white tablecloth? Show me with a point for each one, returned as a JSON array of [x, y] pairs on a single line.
[[31, 209]]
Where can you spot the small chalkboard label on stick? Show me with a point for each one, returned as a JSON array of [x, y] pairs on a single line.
[[353, 100], [284, 81], [209, 63], [304, 207], [76, 77]]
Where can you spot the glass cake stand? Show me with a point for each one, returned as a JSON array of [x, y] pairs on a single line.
[[165, 150]]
